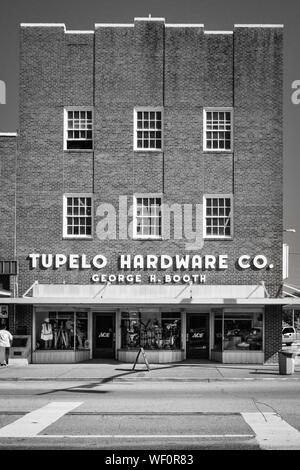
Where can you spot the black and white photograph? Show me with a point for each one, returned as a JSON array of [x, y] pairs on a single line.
[[150, 229]]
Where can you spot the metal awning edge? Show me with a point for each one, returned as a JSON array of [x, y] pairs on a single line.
[[149, 301]]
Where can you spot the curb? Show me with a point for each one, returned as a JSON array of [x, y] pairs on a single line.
[[141, 379]]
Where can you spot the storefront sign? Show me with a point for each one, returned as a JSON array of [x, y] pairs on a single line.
[[147, 262], [188, 265]]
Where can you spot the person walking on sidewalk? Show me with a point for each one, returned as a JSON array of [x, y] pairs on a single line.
[[5, 343]]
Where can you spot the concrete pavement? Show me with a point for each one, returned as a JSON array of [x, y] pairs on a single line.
[[114, 371]]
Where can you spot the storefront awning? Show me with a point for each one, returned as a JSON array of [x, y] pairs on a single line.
[[149, 295], [133, 295], [184, 302]]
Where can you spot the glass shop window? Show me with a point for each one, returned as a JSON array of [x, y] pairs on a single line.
[[82, 331], [151, 330], [61, 330], [241, 332]]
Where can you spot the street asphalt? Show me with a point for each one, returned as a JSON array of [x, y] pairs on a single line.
[[114, 371]]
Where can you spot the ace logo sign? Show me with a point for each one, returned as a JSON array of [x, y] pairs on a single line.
[[104, 334]]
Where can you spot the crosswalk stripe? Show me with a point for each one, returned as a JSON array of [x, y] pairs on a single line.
[[35, 421], [272, 432]]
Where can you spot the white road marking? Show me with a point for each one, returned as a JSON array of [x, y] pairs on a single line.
[[33, 423], [142, 436], [272, 432]]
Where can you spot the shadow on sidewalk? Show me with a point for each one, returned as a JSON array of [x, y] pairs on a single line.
[[88, 386]]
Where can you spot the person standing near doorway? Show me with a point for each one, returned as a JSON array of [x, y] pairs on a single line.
[[5, 343]]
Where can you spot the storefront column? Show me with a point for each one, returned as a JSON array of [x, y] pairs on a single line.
[[211, 333], [118, 333], [183, 332], [90, 333]]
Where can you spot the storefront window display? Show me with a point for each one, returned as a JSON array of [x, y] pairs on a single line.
[[239, 331], [61, 330], [151, 330]]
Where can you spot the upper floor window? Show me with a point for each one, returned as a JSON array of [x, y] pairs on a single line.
[[218, 220], [78, 128], [147, 220], [217, 129], [78, 215], [148, 124]]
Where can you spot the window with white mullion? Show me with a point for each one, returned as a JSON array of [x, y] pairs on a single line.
[[148, 217], [218, 129], [78, 216], [148, 129], [79, 129], [218, 217]]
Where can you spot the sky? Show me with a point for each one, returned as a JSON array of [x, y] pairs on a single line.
[[216, 15]]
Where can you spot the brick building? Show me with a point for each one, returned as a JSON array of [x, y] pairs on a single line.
[[143, 193]]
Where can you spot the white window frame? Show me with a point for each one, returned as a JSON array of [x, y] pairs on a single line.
[[217, 196], [135, 129], [77, 108], [137, 236], [65, 215], [217, 109]]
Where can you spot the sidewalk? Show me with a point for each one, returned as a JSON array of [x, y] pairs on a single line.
[[114, 371]]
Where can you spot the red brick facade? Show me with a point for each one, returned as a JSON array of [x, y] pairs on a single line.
[[149, 63]]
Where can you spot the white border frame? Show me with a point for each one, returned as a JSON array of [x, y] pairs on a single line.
[[75, 237], [134, 224], [147, 108], [215, 108], [217, 237], [77, 108]]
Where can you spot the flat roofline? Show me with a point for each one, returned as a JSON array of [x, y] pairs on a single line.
[[150, 18], [182, 25], [8, 134], [218, 32], [69, 31], [43, 25], [258, 25], [114, 25]]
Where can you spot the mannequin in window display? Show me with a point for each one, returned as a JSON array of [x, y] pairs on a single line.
[[79, 335], [69, 330], [157, 341], [132, 335], [47, 333]]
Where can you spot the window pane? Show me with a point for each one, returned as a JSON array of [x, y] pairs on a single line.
[[79, 206], [146, 121], [218, 121], [153, 330], [81, 124]]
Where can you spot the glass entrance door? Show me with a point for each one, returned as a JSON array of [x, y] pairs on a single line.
[[104, 335], [197, 336]]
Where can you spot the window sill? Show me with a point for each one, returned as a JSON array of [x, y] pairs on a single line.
[[79, 150], [218, 238], [148, 150], [147, 238], [76, 237], [217, 151]]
